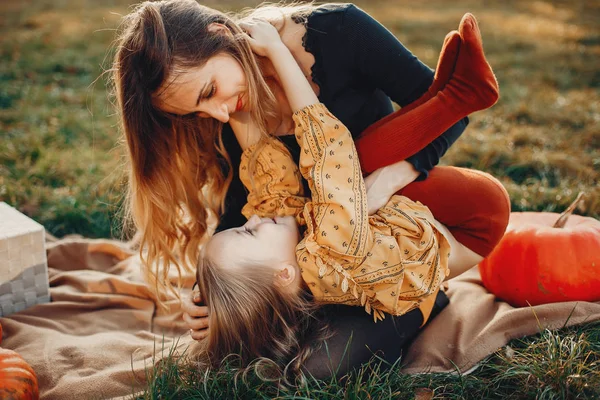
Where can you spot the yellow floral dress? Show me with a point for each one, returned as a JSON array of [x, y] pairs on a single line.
[[391, 262]]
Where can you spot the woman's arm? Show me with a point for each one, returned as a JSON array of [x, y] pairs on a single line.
[[384, 182]]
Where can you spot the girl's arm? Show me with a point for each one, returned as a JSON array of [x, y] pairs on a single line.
[[272, 179], [265, 41], [337, 218], [267, 170]]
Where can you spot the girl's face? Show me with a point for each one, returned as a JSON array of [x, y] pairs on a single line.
[[268, 242], [215, 90]]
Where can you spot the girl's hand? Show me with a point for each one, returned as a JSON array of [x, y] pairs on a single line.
[[196, 317], [384, 182], [264, 38]]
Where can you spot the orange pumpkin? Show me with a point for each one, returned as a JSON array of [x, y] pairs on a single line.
[[17, 379], [545, 258]]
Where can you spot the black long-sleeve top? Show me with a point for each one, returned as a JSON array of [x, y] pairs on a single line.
[[360, 67]]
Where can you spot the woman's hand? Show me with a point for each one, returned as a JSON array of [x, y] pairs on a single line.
[[384, 182], [196, 317], [264, 38]]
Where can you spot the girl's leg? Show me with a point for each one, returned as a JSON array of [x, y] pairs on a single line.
[[472, 204], [443, 72], [474, 207], [461, 257], [471, 86]]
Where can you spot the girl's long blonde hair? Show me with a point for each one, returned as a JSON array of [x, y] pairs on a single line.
[[266, 327], [177, 163]]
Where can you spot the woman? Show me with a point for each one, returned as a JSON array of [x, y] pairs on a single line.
[[183, 72], [297, 250]]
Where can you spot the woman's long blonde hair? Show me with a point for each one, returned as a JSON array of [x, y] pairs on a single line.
[[177, 163]]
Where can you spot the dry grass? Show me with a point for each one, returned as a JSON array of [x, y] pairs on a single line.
[[542, 139]]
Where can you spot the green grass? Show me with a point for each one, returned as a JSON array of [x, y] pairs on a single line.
[[562, 364], [61, 164]]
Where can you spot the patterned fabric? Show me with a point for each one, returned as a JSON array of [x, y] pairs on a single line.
[[393, 261], [275, 188]]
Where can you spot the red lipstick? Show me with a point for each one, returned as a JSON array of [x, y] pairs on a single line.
[[239, 104]]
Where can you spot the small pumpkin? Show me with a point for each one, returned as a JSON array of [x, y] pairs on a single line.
[[17, 379], [545, 258]]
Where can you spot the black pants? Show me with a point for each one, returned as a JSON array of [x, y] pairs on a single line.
[[356, 338]]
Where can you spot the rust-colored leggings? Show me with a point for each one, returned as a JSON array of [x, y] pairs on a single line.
[[472, 204]]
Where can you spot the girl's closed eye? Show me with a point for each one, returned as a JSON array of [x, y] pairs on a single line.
[[249, 230]]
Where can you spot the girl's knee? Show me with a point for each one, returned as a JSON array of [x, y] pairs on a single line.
[[497, 203], [487, 215], [496, 192]]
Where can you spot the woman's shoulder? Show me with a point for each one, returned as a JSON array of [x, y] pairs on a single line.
[[333, 19], [324, 16], [320, 10]]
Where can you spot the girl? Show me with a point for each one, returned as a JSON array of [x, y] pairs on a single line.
[[182, 72], [253, 277]]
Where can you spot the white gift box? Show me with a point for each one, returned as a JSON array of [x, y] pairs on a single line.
[[23, 264]]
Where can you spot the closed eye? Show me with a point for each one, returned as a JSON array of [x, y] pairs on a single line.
[[213, 90], [204, 94], [250, 231]]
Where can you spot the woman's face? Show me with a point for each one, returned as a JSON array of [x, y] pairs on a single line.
[[215, 90]]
